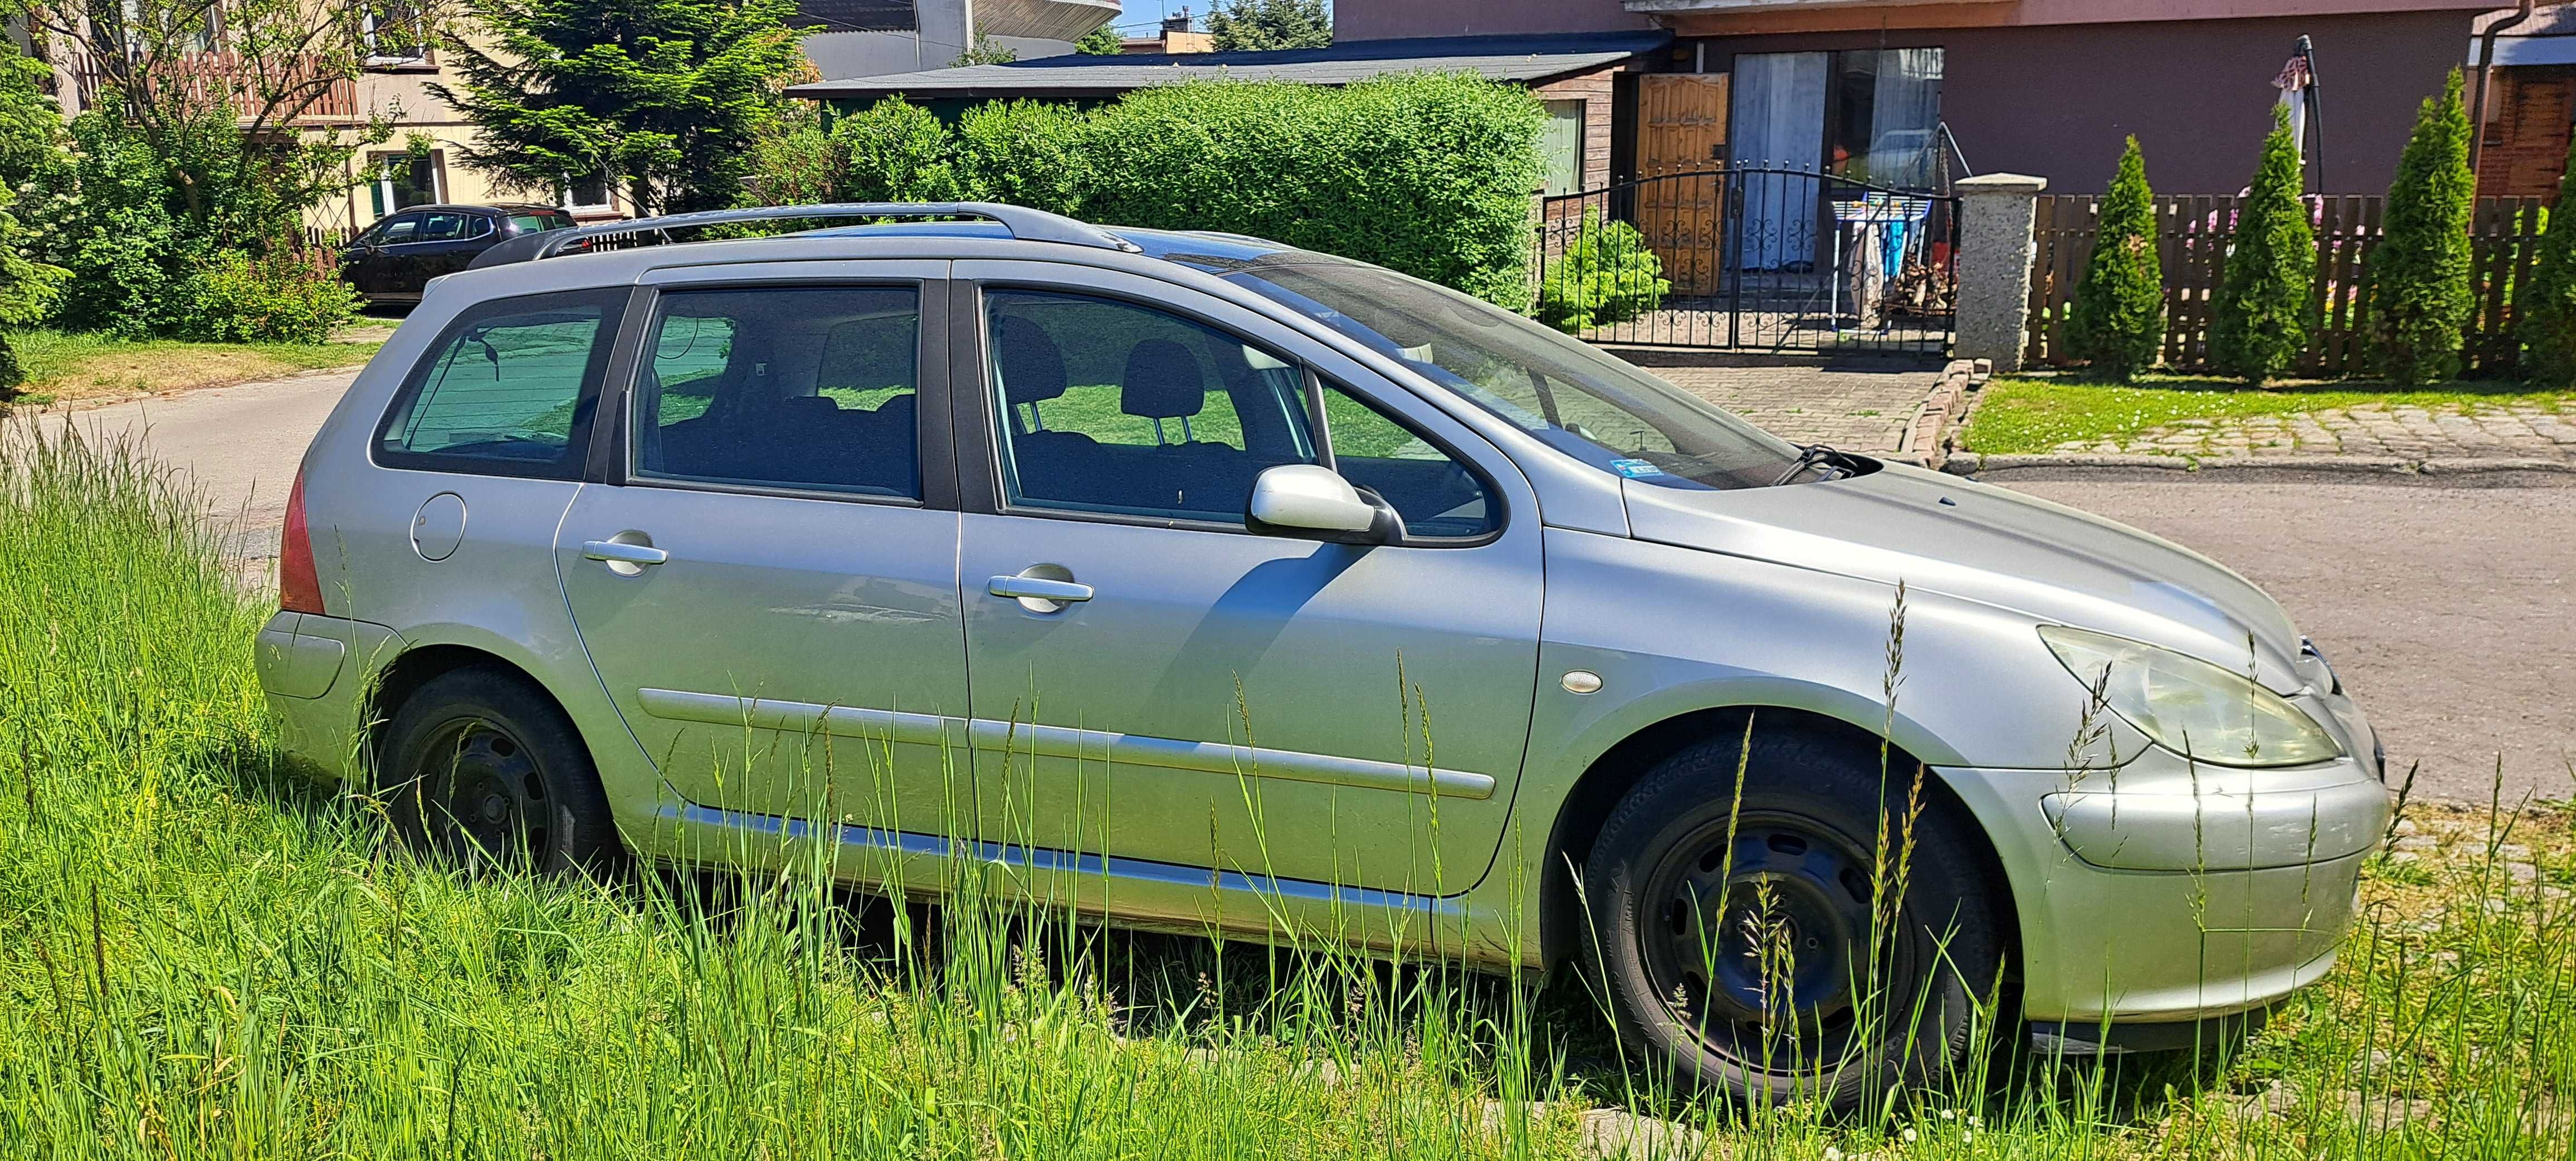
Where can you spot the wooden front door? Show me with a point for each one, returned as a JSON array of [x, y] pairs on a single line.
[[1681, 129]]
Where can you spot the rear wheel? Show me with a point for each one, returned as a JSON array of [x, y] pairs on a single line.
[[481, 767], [1756, 945]]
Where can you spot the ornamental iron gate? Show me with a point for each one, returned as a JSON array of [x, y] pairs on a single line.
[[1763, 259]]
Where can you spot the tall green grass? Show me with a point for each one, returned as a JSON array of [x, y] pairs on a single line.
[[203, 955]]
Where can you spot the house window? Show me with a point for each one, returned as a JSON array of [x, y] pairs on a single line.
[[1562, 144], [404, 180], [394, 35], [587, 192]]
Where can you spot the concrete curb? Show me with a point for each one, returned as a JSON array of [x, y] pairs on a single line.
[[2499, 472]]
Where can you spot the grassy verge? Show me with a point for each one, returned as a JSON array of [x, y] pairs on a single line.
[[72, 366], [2032, 416], [201, 956]]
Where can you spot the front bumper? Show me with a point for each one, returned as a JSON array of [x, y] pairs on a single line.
[[2161, 892]]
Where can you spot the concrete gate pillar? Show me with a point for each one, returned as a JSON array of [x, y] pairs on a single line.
[[1997, 213]]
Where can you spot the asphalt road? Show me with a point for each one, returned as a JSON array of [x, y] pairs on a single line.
[[2449, 611]]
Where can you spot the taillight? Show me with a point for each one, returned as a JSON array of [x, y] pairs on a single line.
[[299, 587]]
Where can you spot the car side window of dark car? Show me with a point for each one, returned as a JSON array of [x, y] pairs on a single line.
[[507, 390], [807, 389], [445, 226], [394, 231]]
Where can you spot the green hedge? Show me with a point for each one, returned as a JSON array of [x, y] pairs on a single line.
[[1430, 174]]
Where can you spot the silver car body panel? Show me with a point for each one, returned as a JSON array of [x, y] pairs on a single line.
[[1675, 601]]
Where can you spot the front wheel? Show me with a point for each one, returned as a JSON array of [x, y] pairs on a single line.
[[1801, 939], [481, 767]]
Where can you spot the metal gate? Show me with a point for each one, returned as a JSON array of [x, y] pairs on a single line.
[[1759, 259]]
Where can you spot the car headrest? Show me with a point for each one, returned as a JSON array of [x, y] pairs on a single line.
[[1031, 365], [1163, 381], [808, 406]]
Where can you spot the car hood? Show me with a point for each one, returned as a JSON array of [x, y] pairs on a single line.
[[1977, 542]]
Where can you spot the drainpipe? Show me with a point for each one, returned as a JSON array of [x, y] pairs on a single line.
[[2486, 69]]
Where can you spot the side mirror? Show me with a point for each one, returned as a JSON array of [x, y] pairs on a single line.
[[1311, 502]]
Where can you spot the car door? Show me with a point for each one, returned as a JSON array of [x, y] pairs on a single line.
[[768, 584], [440, 238], [1151, 681], [370, 264]]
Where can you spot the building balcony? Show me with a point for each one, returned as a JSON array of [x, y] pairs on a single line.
[[1043, 19], [207, 78]]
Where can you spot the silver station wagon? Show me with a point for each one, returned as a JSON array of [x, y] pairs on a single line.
[[1216, 585]]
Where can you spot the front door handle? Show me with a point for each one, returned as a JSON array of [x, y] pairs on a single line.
[[623, 559], [1038, 588]]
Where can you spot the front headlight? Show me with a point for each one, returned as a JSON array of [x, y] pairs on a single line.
[[2190, 706]]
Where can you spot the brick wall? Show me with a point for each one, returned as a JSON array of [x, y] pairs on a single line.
[[2526, 136]]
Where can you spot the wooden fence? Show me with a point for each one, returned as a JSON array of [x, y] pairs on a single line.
[[2504, 245]]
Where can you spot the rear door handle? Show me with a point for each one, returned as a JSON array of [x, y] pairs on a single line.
[[620, 552], [1037, 588]]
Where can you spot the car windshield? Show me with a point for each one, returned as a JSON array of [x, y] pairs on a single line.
[[1575, 398], [539, 223]]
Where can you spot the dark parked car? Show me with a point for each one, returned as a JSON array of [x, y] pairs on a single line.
[[395, 258]]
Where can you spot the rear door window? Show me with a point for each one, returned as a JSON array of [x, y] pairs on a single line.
[[507, 390], [802, 389]]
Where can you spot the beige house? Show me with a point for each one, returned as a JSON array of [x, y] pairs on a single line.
[[394, 81]]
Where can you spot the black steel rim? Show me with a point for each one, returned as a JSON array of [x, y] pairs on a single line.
[[1767, 955], [484, 795]]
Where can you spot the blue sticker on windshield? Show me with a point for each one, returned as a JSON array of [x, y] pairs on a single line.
[[1635, 469]]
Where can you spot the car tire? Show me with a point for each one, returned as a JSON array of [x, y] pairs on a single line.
[[1701, 958], [482, 768]]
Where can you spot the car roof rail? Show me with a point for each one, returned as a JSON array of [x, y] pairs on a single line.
[[1024, 224]]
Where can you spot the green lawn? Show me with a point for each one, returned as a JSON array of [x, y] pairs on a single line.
[[202, 956], [68, 366], [2030, 416]]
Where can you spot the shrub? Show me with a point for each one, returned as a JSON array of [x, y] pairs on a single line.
[[2416, 280], [2118, 317], [894, 152], [291, 294], [2263, 308], [1607, 276], [1025, 153], [2547, 301], [1427, 174]]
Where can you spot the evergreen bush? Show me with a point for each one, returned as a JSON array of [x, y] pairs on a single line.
[[2118, 318], [2547, 301], [1606, 276], [2416, 280], [2263, 313]]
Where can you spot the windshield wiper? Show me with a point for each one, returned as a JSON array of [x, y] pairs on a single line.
[[1812, 455]]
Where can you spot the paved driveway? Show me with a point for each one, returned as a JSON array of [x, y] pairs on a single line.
[[2449, 611], [242, 443]]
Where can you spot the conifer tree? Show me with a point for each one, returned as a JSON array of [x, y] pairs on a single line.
[[2118, 318], [2263, 309], [2547, 302], [2416, 281], [666, 97]]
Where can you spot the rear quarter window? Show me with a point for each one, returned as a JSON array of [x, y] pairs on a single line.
[[508, 389]]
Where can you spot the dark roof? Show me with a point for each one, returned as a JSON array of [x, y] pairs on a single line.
[[1504, 58]]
